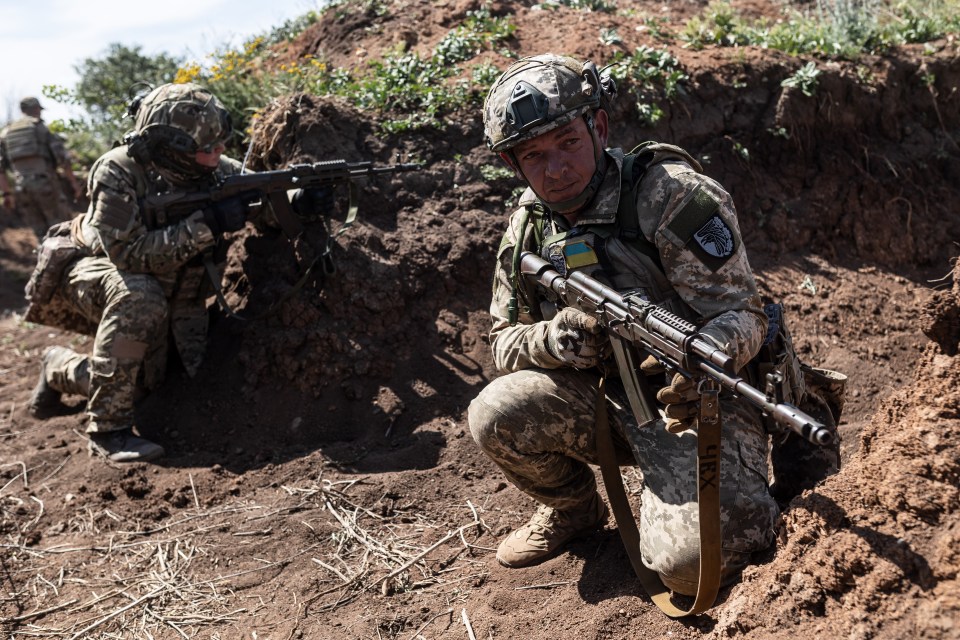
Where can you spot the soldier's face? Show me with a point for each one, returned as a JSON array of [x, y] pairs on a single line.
[[211, 158], [559, 164]]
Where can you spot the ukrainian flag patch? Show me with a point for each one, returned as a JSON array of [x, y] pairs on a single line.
[[578, 253]]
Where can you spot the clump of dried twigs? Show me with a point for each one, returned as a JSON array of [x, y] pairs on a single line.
[[373, 552]]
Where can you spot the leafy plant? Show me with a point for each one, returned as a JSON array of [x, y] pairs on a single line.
[[741, 151], [837, 28], [409, 91], [583, 5], [492, 172], [649, 114], [610, 37], [806, 79], [649, 75], [484, 75], [470, 38], [865, 75], [241, 80], [657, 27], [719, 25]]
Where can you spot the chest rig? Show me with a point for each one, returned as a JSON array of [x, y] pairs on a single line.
[[23, 143], [618, 254]]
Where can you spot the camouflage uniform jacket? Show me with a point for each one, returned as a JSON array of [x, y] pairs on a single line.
[[698, 269], [168, 245], [28, 147]]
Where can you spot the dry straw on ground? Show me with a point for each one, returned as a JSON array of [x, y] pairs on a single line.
[[150, 580]]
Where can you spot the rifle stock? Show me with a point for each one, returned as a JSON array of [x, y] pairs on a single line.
[[668, 337]]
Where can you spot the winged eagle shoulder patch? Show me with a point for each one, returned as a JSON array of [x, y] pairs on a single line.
[[715, 238], [699, 226]]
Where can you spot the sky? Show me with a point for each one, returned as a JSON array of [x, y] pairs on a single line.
[[41, 41]]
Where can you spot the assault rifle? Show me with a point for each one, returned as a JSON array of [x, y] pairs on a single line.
[[633, 322], [273, 186]]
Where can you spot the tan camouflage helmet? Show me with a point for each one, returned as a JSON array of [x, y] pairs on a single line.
[[188, 108], [538, 94]]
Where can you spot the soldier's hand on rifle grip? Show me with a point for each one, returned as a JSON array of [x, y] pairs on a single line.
[[228, 214], [577, 338], [312, 203], [682, 403]]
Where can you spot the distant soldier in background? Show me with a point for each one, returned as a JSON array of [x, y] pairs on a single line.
[[33, 155]]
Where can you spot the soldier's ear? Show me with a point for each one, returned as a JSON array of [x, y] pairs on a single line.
[[602, 126]]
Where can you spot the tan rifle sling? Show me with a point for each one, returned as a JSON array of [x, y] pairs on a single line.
[[708, 494]]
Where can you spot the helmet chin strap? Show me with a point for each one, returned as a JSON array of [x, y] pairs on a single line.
[[600, 161]]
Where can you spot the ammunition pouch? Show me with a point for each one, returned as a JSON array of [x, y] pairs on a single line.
[[57, 250]]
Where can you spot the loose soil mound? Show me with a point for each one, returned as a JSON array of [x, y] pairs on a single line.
[[320, 480], [875, 550]]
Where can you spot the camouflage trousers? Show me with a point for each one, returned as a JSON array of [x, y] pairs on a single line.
[[538, 426], [130, 345], [41, 202]]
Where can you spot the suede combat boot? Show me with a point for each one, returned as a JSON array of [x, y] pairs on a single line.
[[548, 530], [62, 371], [123, 446], [45, 400]]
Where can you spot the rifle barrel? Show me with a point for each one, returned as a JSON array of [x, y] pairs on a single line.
[[786, 414]]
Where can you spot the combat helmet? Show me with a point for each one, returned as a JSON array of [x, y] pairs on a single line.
[[541, 93], [173, 122], [538, 94]]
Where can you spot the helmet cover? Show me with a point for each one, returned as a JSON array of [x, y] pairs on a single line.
[[538, 94], [174, 122], [188, 108]]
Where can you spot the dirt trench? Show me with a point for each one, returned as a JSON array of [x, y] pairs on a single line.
[[845, 218], [361, 379]]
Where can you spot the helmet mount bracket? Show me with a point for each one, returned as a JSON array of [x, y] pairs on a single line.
[[527, 107]]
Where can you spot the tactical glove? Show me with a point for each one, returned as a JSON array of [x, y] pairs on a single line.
[[312, 202], [577, 338], [228, 214], [683, 403], [680, 396], [652, 367]]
